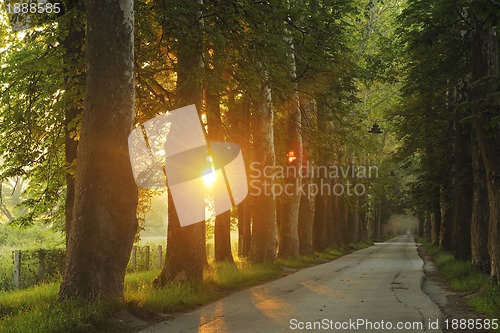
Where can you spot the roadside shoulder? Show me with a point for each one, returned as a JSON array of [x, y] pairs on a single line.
[[452, 303]]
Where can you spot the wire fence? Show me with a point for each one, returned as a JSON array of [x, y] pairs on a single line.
[[26, 268]]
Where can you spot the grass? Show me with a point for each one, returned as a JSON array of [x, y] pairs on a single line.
[[329, 254], [36, 309], [219, 279], [463, 277]]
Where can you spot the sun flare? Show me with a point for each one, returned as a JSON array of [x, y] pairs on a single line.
[[209, 178]]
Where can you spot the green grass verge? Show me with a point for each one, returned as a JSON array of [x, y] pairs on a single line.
[[329, 254], [36, 310], [463, 277], [219, 279]]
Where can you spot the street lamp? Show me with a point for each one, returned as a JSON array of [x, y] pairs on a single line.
[[375, 129]]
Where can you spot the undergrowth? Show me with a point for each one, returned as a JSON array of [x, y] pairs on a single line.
[[463, 277], [36, 309]]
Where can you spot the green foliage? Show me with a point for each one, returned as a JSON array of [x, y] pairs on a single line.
[[465, 278], [175, 296], [219, 278], [13, 237], [434, 35], [32, 122], [330, 253], [241, 274], [152, 212], [301, 262], [39, 81], [37, 310], [29, 240]]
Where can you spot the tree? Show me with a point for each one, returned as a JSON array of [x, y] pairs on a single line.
[[485, 72], [104, 216], [185, 257], [288, 229], [214, 87], [71, 26], [307, 202]]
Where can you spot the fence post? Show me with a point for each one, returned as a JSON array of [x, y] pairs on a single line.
[[17, 268], [147, 257], [134, 257], [159, 256]]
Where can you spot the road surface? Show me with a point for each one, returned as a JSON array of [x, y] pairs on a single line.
[[377, 289]]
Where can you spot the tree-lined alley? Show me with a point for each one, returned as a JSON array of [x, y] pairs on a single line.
[[397, 101]]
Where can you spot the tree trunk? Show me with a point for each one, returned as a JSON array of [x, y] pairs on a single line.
[[75, 84], [319, 226], [337, 217], [484, 68], [307, 203], [306, 208], [240, 135], [480, 212], [185, 257], [263, 247], [222, 233], [435, 223], [104, 217], [351, 216], [427, 227], [421, 221], [446, 231], [244, 228], [462, 194], [306, 220], [288, 231]]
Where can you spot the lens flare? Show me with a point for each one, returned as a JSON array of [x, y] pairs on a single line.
[[209, 178]]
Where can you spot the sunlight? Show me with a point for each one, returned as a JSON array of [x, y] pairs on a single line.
[[209, 178]]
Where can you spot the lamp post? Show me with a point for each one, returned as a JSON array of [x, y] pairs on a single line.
[[375, 129]]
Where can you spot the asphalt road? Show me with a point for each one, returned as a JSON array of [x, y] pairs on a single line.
[[377, 289]]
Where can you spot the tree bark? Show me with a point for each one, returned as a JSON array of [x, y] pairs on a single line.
[[288, 231], [241, 135], [222, 233], [435, 223], [264, 223], [306, 208], [446, 231], [427, 227], [462, 194], [337, 218], [319, 226], [480, 212], [185, 257], [484, 68], [244, 229], [75, 83], [104, 216]]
